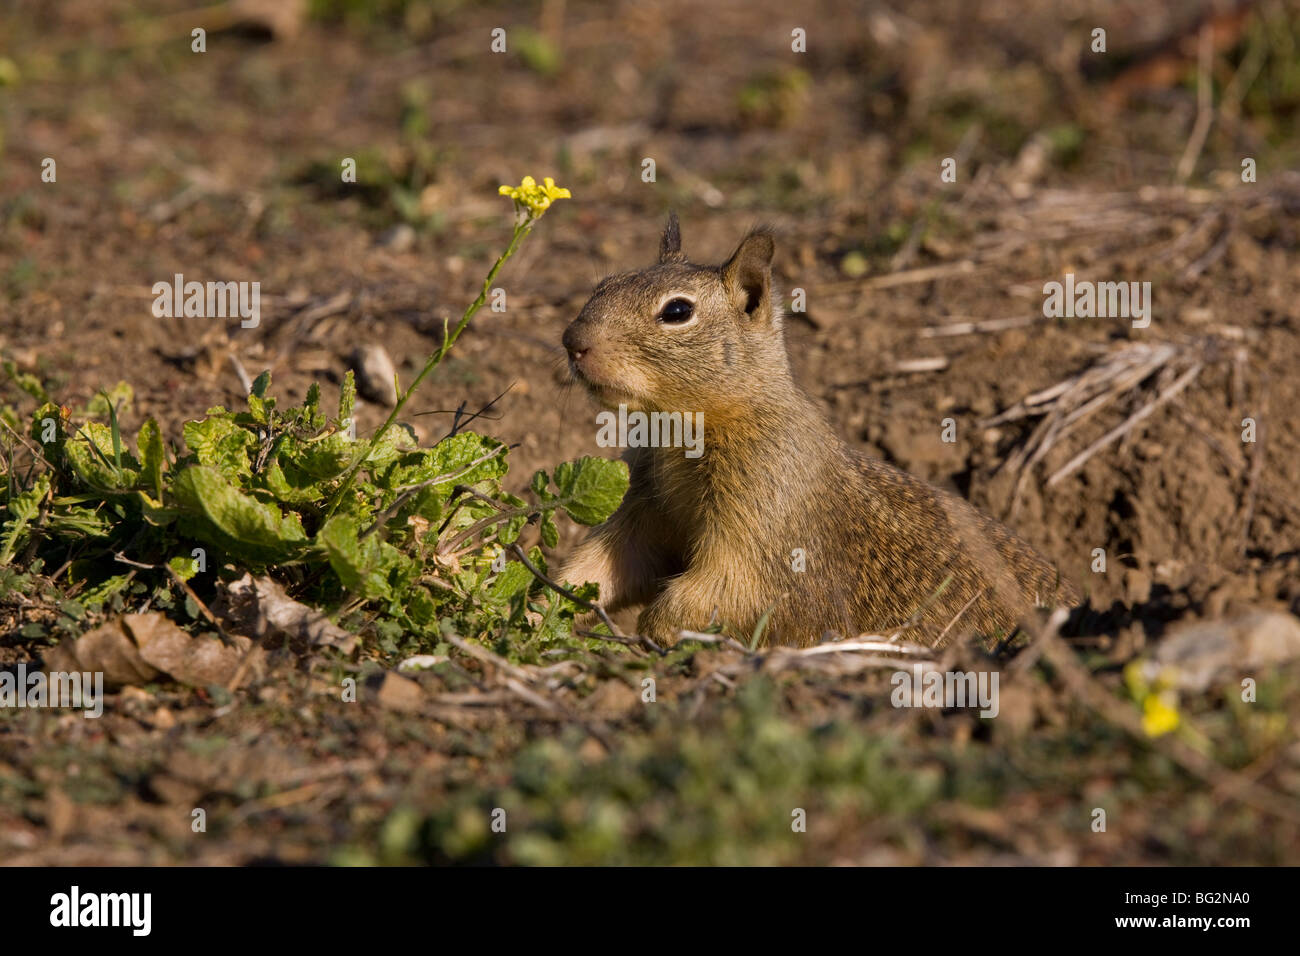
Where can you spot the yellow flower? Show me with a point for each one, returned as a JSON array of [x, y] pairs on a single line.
[[1159, 714], [533, 198], [1157, 697]]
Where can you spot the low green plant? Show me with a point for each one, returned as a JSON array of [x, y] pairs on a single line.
[[406, 543]]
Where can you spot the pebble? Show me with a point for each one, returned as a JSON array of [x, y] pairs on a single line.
[[375, 374]]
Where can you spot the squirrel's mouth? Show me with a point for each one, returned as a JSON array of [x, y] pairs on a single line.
[[606, 394], [609, 395]]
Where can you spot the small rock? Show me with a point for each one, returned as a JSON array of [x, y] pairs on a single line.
[[399, 239], [376, 376], [400, 693], [1199, 654], [422, 662]]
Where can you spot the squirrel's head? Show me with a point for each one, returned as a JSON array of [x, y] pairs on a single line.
[[679, 336]]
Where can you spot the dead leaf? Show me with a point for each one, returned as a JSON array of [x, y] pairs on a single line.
[[263, 609], [108, 649], [448, 561], [136, 648], [196, 661]]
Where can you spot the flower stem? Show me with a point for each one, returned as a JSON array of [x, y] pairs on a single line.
[[449, 338]]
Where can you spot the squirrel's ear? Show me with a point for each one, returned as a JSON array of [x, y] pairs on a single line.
[[670, 243], [747, 275]]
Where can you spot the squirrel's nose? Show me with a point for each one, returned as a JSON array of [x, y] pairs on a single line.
[[575, 342]]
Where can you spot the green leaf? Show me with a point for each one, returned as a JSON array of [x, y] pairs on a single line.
[[218, 442], [453, 461], [22, 508], [150, 445], [257, 410], [81, 521], [108, 403], [116, 431], [550, 533], [362, 564], [420, 606], [88, 453], [397, 439], [321, 459], [28, 383], [259, 406], [49, 429], [510, 583], [205, 492], [153, 512], [311, 405], [291, 485], [184, 565], [761, 628], [591, 488], [538, 52], [509, 530], [452, 456], [347, 397], [104, 590]]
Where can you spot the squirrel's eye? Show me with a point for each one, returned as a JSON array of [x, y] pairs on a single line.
[[676, 311]]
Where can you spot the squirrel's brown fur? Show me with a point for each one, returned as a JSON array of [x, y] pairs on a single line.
[[711, 539]]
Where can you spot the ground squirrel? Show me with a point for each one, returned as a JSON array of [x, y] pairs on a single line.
[[774, 512]]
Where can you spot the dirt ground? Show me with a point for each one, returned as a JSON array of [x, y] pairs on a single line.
[[924, 302]]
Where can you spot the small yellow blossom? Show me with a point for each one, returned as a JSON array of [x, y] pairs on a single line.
[[534, 198], [1159, 714], [1156, 696]]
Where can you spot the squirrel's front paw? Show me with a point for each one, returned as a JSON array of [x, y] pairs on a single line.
[[665, 617], [656, 622]]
